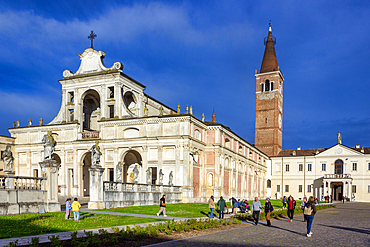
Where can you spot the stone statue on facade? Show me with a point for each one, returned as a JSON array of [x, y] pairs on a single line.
[[136, 175], [161, 174], [170, 179], [339, 138], [203, 117], [149, 176], [161, 110], [95, 154], [178, 109], [8, 159], [49, 145], [41, 121], [18, 124], [119, 172], [29, 122]]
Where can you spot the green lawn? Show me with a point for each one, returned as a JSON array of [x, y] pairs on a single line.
[[35, 224], [174, 210]]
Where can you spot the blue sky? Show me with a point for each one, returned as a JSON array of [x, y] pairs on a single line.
[[201, 53]]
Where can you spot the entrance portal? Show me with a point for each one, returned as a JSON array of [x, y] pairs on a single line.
[[86, 175]]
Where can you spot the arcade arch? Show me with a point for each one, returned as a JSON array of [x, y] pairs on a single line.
[[91, 109], [130, 159]]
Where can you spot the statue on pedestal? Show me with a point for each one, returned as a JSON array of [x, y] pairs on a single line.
[[49, 145], [170, 179], [119, 172], [339, 138], [160, 177], [8, 159], [95, 154], [149, 176], [136, 175]]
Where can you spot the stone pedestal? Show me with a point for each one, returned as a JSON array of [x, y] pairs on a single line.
[[96, 188], [49, 169], [9, 182]]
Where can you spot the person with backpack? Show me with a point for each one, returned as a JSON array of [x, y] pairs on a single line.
[[221, 205], [162, 205], [284, 202], [309, 211], [268, 210], [291, 207]]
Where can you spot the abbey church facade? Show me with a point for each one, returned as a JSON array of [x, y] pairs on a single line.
[[104, 104]]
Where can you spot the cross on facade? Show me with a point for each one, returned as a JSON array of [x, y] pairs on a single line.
[[92, 36]]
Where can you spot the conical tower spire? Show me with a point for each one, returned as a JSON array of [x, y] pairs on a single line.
[[269, 62]]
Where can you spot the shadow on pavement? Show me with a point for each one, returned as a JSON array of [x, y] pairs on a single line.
[[348, 229]]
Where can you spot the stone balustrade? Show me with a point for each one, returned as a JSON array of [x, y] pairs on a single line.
[[22, 183], [118, 194], [337, 176]]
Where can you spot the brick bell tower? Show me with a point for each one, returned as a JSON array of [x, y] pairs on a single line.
[[269, 101]]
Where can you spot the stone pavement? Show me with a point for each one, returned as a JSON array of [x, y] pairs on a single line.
[[346, 225]]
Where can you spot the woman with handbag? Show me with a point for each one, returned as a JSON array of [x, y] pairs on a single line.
[[268, 210], [211, 204], [162, 205]]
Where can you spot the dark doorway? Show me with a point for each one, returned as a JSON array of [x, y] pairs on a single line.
[[86, 175], [154, 175]]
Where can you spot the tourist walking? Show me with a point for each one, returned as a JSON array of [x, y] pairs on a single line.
[[76, 209], [343, 198], [291, 207], [162, 205], [68, 208], [302, 207], [256, 208], [268, 210], [211, 204], [309, 211], [284, 202], [221, 205]]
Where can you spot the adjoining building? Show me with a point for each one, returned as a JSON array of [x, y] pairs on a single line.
[[336, 171], [133, 129]]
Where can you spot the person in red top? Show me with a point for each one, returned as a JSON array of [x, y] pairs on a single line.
[[291, 207], [162, 206]]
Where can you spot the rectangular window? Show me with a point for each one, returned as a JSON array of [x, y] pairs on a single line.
[[286, 188], [287, 167], [323, 167], [308, 188], [354, 166], [110, 93], [111, 174], [309, 167], [353, 188], [277, 188], [300, 188], [111, 111], [71, 96], [368, 166], [300, 167], [368, 189]]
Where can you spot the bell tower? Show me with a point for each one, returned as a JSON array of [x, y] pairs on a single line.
[[269, 101]]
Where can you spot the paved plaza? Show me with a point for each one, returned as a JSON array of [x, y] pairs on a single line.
[[346, 225]]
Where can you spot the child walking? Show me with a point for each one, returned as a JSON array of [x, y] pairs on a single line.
[[76, 209], [68, 208]]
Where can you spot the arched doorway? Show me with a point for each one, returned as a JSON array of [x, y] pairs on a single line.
[[85, 174], [338, 166], [130, 159], [59, 161], [91, 110]]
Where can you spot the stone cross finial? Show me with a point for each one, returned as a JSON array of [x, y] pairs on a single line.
[[91, 37], [187, 108], [14, 124]]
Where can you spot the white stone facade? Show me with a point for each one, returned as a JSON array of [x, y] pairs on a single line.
[[104, 104]]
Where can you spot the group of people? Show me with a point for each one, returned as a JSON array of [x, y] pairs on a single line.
[[242, 205], [74, 207]]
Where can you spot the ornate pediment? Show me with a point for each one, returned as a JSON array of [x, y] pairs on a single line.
[[92, 62]]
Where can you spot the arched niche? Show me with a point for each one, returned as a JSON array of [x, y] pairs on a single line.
[[86, 164], [130, 101], [91, 110], [130, 159]]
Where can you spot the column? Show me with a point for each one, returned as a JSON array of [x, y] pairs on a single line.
[[96, 188], [344, 188], [50, 169], [324, 189], [349, 190], [329, 190]]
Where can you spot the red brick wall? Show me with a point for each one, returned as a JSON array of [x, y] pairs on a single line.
[[210, 137], [226, 183], [210, 158], [196, 181]]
